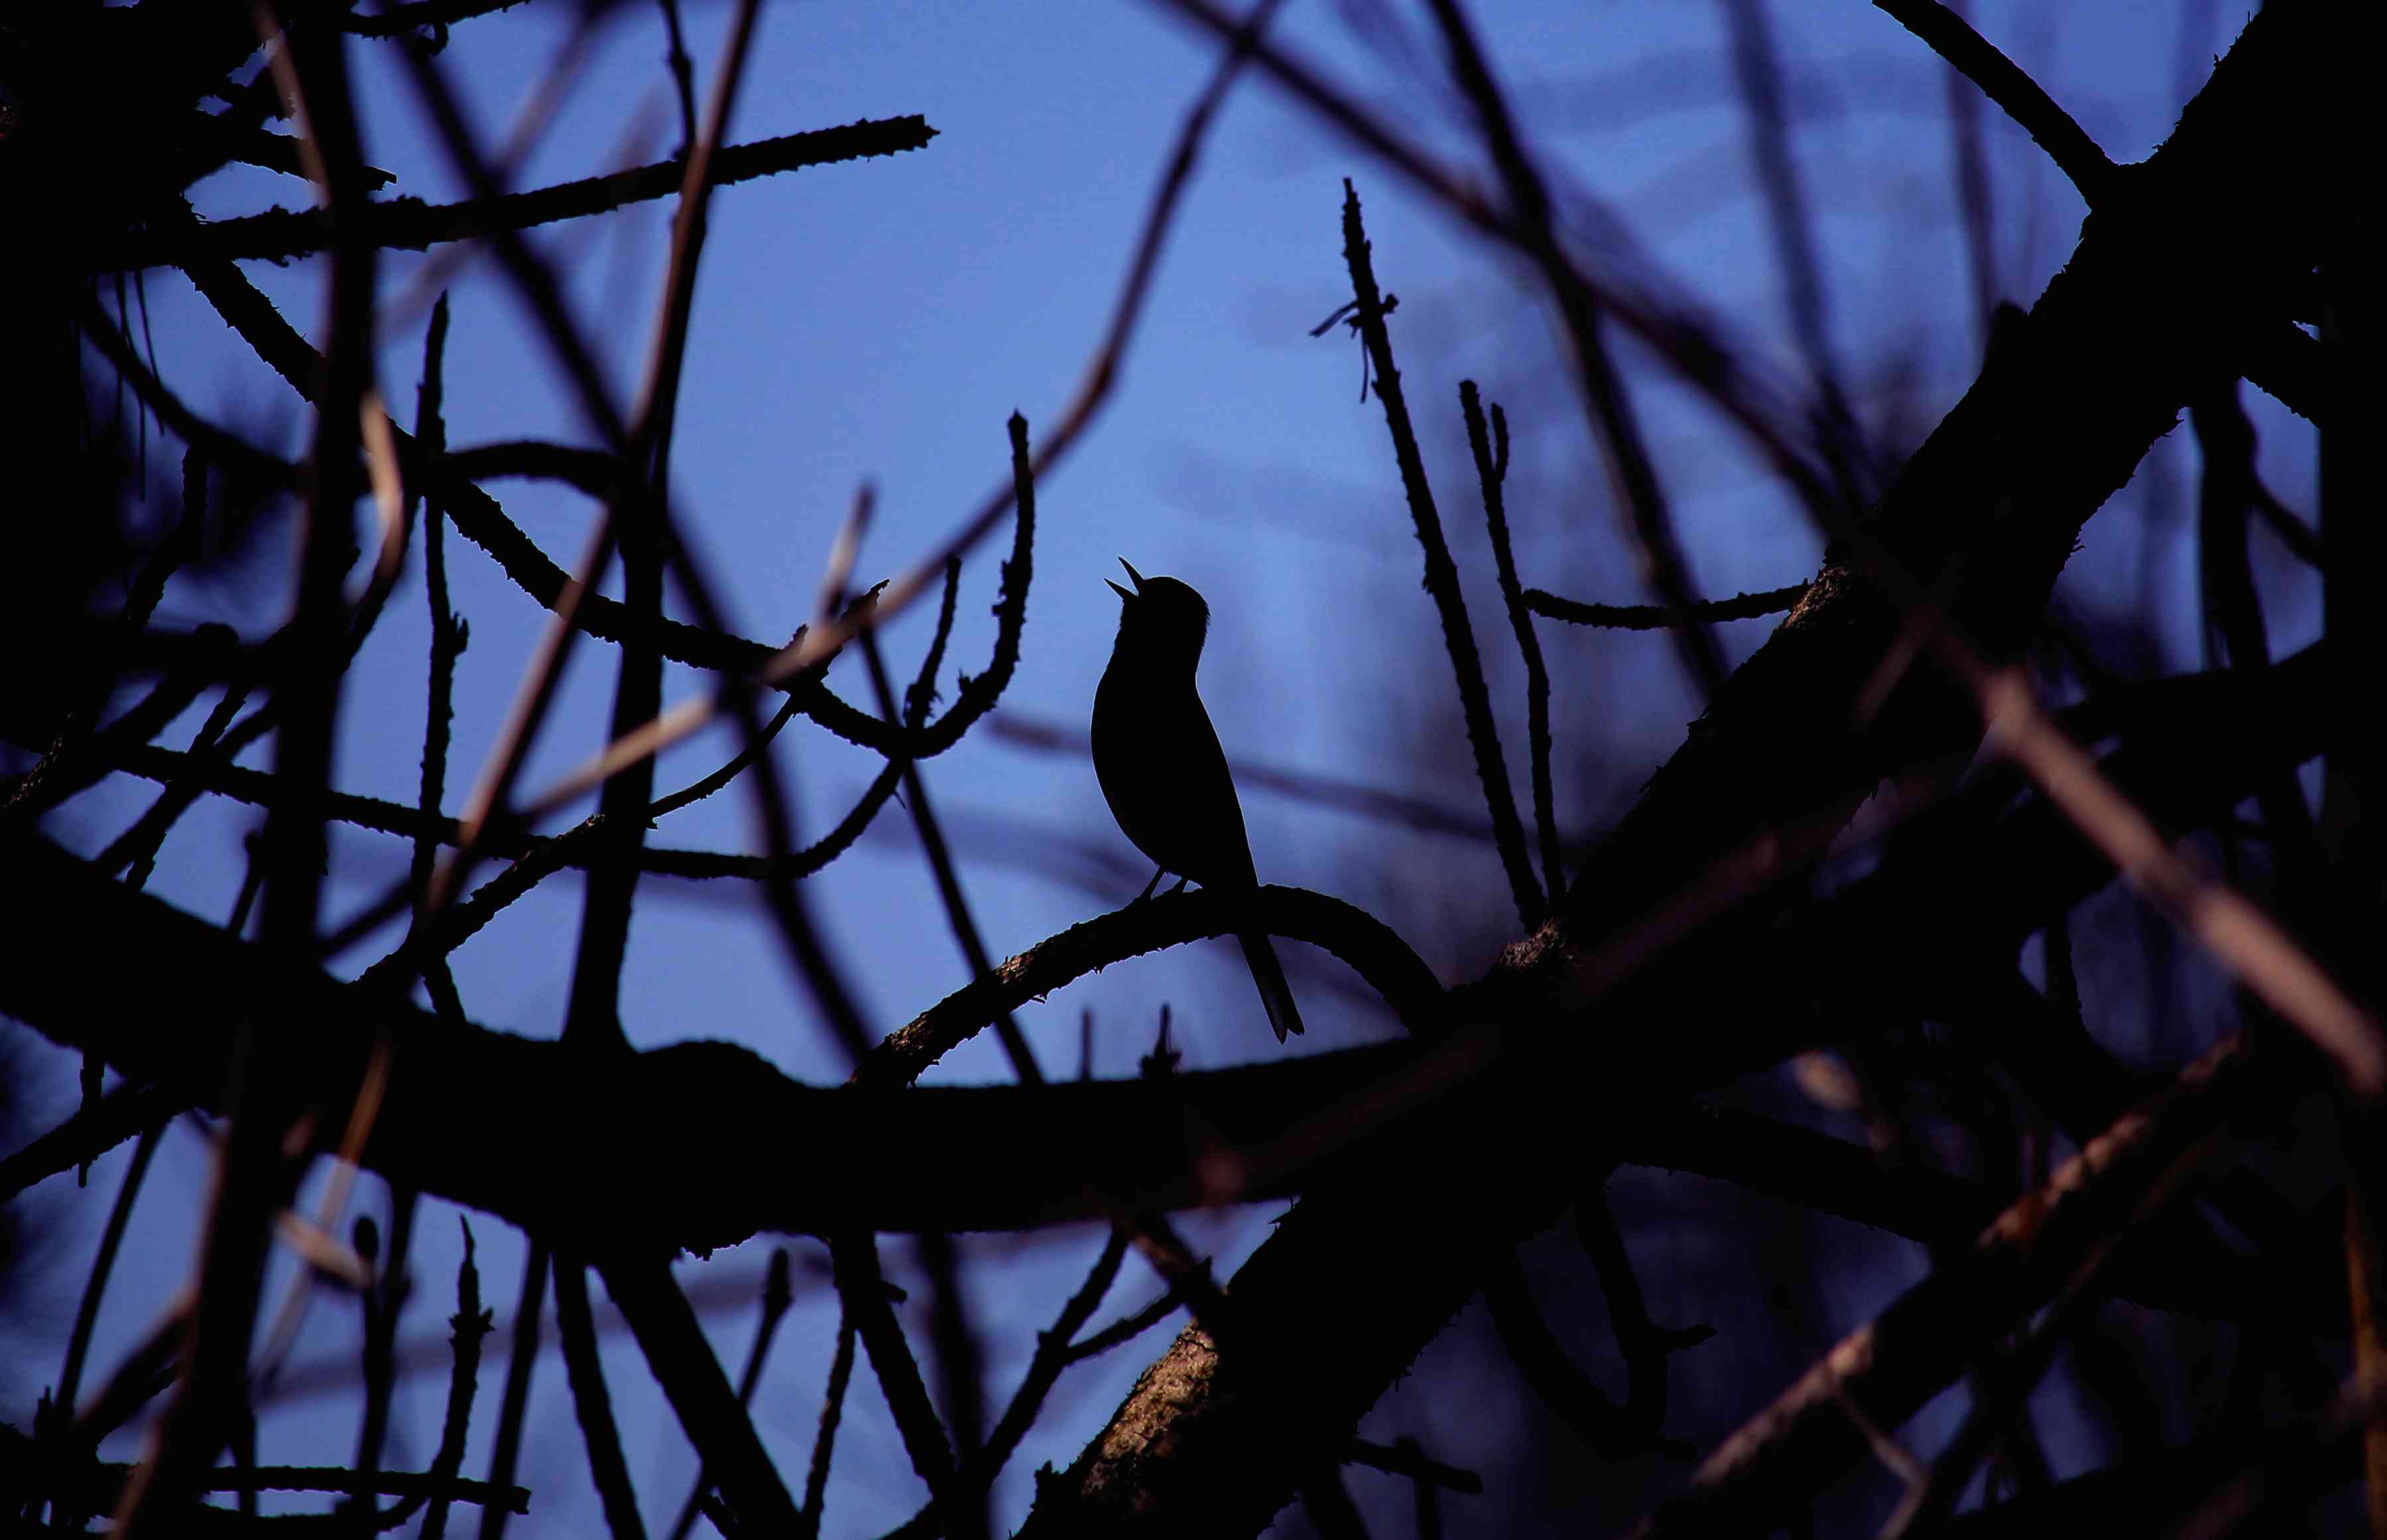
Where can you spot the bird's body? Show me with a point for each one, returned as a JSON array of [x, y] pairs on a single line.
[[1162, 770], [1166, 779]]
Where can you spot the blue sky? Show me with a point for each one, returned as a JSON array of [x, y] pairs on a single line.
[[881, 320]]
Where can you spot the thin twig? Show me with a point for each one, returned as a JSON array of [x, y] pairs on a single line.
[[470, 1325], [103, 1265], [461, 921], [1685, 341], [813, 649], [1563, 1384], [352, 1484], [960, 1383], [1441, 574], [1128, 1326], [940, 866], [1490, 471], [840, 1374], [1053, 1354], [626, 437], [2238, 935], [447, 630], [1646, 1347], [778, 1296], [447, 644], [1405, 1460], [528, 1307], [254, 1171], [712, 1414], [90, 1131], [409, 225], [1757, 64], [1969, 163], [211, 748], [2001, 1391], [77, 762], [1885, 1370], [1614, 426], [862, 1289], [592, 1403], [683, 75], [639, 440], [194, 772]]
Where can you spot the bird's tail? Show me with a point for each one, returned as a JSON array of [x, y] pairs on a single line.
[[1275, 993]]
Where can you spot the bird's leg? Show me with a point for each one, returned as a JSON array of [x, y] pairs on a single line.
[[1157, 872]]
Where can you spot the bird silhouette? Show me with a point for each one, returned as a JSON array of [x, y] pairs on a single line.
[[1162, 770]]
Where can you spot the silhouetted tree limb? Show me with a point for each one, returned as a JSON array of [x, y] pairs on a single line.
[[409, 225], [562, 1166], [2193, 1273], [1689, 341], [1606, 403], [1937, 1329], [1651, 617], [1441, 574], [776, 1296], [105, 1481], [710, 1412], [254, 1177], [1490, 448], [1975, 876], [1587, 1411], [1336, 1302], [91, 1132], [1353, 935], [2022, 98]]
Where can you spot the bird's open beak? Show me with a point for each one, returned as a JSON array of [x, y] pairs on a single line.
[[1134, 576]]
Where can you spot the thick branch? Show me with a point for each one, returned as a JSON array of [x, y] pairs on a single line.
[[476, 1116], [636, 1151], [1335, 1304]]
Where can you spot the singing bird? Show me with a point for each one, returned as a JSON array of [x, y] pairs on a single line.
[[1162, 769]]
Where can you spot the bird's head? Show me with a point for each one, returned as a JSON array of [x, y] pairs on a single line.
[[1161, 618]]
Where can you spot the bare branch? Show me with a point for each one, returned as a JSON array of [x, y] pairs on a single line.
[[1938, 1328], [2022, 98], [1441, 574], [1650, 617], [1490, 471], [409, 225], [1609, 406]]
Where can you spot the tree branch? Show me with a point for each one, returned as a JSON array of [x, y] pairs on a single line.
[[1441, 574], [2020, 97], [409, 225], [1951, 1321], [1336, 1302]]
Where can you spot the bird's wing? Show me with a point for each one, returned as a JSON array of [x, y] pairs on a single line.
[[1166, 778], [1210, 814]]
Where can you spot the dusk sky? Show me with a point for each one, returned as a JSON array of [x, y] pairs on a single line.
[[879, 321]]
